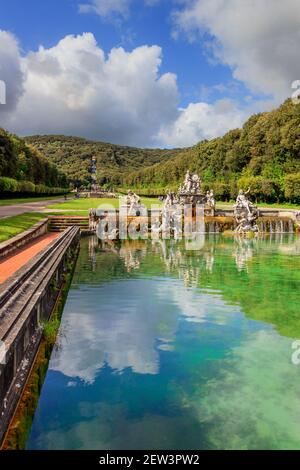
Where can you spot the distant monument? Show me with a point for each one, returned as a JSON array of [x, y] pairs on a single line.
[[93, 170], [96, 191], [245, 213]]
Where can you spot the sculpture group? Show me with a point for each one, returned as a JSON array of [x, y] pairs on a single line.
[[191, 185], [245, 213], [190, 192], [170, 219]]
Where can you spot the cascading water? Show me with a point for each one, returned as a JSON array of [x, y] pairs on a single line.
[[266, 225], [278, 225]]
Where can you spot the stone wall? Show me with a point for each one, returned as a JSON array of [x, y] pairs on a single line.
[[26, 302], [10, 246]]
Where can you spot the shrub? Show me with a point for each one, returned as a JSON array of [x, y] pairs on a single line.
[[8, 185], [26, 187], [264, 190], [221, 190], [292, 187]]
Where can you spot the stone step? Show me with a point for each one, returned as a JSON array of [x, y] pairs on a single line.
[[61, 223]]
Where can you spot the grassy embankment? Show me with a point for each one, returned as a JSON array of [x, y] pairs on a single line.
[[11, 226]]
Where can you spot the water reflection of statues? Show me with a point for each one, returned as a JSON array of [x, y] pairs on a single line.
[[246, 213], [243, 253]]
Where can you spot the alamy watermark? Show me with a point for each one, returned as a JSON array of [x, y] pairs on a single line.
[[295, 358], [2, 92], [184, 221]]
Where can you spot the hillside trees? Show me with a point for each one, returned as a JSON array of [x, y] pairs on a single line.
[[264, 154], [23, 170]]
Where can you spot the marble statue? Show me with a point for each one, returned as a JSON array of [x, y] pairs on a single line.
[[246, 213], [210, 200], [133, 203], [171, 217], [191, 185]]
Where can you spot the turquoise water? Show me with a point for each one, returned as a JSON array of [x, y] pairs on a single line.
[[168, 346]]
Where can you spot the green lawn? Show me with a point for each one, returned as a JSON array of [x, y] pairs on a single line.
[[11, 202], [82, 206], [11, 226], [221, 205]]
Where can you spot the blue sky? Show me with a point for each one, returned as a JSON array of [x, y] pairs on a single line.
[[37, 22], [203, 44]]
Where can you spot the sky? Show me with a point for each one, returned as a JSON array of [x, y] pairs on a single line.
[[149, 73]]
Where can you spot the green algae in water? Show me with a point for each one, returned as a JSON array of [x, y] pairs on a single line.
[[163, 347]]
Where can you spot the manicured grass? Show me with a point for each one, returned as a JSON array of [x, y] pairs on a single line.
[[11, 226], [11, 202], [282, 205], [82, 206]]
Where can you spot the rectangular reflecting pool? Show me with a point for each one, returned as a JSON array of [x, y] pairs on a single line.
[[177, 345]]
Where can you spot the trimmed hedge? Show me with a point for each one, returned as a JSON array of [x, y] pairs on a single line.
[[10, 187]]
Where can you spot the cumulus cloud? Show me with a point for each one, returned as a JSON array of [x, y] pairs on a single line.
[[202, 121], [258, 39], [73, 88], [11, 73]]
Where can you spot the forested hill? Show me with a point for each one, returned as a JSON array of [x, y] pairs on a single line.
[[264, 154], [72, 155], [24, 170]]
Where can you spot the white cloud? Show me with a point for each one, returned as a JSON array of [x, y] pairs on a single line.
[[10, 71], [128, 334], [202, 121], [258, 39], [73, 88], [107, 8], [113, 336]]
